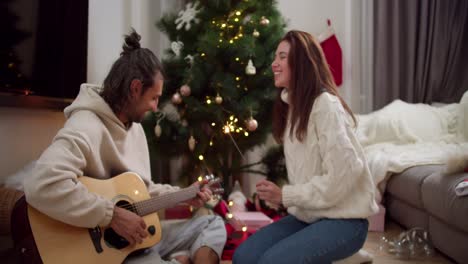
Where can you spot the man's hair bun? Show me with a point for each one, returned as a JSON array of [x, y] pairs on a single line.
[[132, 42]]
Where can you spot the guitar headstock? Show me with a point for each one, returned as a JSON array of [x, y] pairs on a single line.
[[214, 183]]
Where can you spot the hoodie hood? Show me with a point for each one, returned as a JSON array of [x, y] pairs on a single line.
[[89, 99]]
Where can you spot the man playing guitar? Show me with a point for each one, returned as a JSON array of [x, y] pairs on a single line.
[[103, 137]]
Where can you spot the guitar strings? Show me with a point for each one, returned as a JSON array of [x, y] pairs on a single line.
[[148, 203], [143, 205]]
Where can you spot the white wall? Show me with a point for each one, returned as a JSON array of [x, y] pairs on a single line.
[[110, 20], [311, 16], [25, 133]]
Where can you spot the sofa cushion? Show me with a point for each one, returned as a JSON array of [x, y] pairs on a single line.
[[405, 214], [406, 186], [440, 200]]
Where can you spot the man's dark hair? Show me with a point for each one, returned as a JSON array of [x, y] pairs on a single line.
[[135, 62]]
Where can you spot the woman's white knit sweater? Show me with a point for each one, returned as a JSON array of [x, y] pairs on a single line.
[[328, 173]]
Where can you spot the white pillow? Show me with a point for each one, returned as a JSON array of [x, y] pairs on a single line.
[[402, 123]]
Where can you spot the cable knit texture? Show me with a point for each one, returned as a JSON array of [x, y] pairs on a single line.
[[328, 173], [94, 143]]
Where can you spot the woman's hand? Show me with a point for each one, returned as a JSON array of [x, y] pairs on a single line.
[[203, 196], [270, 192]]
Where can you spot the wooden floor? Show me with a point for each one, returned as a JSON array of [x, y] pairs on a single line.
[[392, 230]]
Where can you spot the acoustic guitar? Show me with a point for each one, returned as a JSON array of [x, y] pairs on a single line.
[[57, 242]]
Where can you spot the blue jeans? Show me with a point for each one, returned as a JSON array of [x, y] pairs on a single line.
[[292, 241]]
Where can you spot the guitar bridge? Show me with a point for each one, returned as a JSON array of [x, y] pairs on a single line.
[[96, 235]]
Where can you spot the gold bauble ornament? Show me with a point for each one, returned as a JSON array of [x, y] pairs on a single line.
[[264, 21], [219, 99], [185, 90], [191, 143], [256, 33], [176, 99], [252, 124]]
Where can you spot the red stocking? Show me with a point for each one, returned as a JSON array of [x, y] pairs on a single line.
[[332, 50]]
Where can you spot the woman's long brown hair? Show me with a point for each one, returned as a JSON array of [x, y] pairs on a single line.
[[310, 75]]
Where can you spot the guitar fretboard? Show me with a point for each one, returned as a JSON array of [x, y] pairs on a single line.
[[165, 201]]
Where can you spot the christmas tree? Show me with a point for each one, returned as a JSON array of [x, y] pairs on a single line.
[[11, 78], [219, 88]]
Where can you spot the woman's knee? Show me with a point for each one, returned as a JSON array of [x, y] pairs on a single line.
[[243, 256]]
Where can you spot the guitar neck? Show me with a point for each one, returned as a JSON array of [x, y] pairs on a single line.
[[154, 204]]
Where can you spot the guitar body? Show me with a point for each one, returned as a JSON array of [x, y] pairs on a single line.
[[58, 242]]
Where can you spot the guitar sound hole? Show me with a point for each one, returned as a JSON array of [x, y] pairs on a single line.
[[113, 239]]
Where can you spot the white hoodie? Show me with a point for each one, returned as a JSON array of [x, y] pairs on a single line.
[[93, 143]]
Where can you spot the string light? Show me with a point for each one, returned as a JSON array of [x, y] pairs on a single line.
[[230, 217], [203, 54], [208, 101], [211, 143], [213, 124], [238, 13], [200, 157], [200, 178], [246, 133], [237, 78]]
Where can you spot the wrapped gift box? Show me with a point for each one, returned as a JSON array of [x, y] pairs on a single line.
[[252, 220], [377, 221]]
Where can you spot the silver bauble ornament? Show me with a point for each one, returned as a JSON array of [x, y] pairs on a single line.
[[176, 99], [252, 124], [219, 99], [264, 21], [185, 90]]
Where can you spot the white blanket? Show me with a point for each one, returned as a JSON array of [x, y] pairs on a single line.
[[403, 135]]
